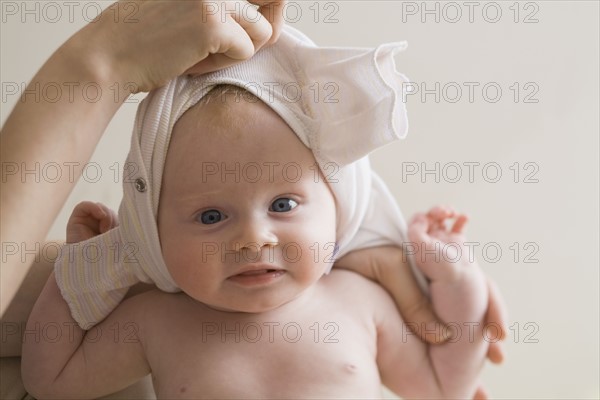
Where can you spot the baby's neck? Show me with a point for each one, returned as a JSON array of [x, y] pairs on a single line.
[[288, 308]]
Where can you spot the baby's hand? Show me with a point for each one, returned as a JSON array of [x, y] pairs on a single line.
[[88, 220], [440, 252]]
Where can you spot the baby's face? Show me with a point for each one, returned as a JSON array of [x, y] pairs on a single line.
[[246, 222]]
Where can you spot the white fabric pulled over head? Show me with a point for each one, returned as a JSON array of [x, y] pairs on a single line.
[[343, 103]]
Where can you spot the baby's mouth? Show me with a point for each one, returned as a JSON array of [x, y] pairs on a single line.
[[257, 272], [257, 276]]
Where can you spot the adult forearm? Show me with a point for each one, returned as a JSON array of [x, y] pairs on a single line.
[[42, 130]]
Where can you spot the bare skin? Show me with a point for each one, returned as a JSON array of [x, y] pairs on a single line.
[[41, 132], [170, 335]]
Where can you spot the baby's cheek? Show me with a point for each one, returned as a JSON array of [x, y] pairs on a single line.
[[179, 259], [189, 278], [311, 256]]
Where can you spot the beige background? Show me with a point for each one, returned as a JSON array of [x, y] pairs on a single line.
[[551, 212]]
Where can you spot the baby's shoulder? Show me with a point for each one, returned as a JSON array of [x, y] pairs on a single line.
[[343, 278], [354, 289], [155, 305]]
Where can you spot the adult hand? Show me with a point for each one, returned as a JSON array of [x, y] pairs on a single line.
[[147, 43]]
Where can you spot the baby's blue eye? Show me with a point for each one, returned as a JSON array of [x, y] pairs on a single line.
[[211, 217], [283, 204]]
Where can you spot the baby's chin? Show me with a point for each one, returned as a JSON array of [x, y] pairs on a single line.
[[247, 306]]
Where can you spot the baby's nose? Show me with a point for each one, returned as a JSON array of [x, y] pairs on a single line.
[[255, 234]]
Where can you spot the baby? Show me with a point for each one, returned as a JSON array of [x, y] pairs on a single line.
[[261, 320], [249, 255]]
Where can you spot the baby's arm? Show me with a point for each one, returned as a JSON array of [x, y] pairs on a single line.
[[62, 360], [459, 297], [388, 266]]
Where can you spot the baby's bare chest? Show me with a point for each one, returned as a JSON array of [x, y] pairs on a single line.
[[233, 357]]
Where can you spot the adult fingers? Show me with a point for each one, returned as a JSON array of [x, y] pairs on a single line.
[[245, 31], [258, 28], [495, 353], [422, 320], [272, 10], [496, 316], [480, 393], [497, 311]]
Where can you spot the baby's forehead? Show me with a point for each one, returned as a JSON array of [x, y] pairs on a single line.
[[239, 138], [227, 110], [232, 179]]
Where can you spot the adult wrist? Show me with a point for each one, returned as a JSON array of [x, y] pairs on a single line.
[[87, 59]]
